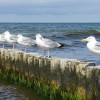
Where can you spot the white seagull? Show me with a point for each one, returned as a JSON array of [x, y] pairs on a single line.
[[9, 38], [25, 41], [2, 40], [92, 45], [46, 44]]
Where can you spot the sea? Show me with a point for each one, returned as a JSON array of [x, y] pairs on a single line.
[[69, 34]]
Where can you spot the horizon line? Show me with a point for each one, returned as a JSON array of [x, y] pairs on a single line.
[[50, 22]]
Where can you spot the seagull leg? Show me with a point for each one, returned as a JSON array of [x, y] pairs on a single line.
[[13, 46], [48, 54], [44, 53], [25, 49], [3, 45]]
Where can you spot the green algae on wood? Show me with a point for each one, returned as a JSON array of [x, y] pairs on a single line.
[[51, 78]]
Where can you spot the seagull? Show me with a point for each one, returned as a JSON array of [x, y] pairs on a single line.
[[25, 41], [93, 45], [9, 38], [46, 44], [2, 40]]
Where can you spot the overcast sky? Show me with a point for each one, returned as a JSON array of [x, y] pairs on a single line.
[[49, 10]]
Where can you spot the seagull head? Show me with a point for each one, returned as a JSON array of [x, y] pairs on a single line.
[[39, 36], [89, 39], [19, 36], [6, 33]]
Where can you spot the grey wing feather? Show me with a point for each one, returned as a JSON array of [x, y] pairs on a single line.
[[28, 40], [2, 36], [51, 43], [97, 46], [97, 43], [13, 37]]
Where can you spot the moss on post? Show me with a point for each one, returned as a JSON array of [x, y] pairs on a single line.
[[51, 78]]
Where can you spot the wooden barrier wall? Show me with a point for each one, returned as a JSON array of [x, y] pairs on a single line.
[[52, 76]]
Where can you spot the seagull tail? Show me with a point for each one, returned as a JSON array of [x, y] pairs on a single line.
[[34, 43], [61, 45]]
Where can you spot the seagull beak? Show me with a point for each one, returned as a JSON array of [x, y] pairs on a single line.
[[84, 40]]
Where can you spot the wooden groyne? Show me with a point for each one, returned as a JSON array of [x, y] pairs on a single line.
[[51, 78]]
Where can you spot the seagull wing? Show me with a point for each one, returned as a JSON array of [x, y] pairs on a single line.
[[97, 46], [28, 41], [51, 43], [13, 38], [2, 39]]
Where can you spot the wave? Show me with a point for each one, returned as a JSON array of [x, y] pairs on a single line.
[[95, 31], [62, 34], [75, 33]]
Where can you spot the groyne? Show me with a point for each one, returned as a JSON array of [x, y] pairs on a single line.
[[51, 78]]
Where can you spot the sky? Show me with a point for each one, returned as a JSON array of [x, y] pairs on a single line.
[[63, 11]]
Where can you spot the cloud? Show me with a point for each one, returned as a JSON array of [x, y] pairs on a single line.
[[10, 2], [50, 9]]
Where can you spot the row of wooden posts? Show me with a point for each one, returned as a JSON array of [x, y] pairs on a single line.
[[50, 77]]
